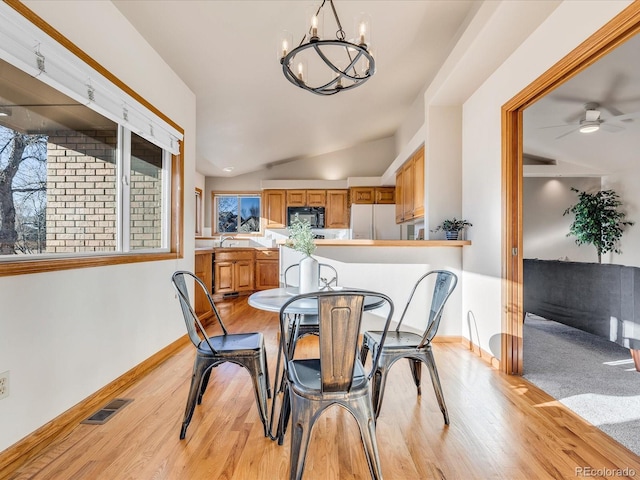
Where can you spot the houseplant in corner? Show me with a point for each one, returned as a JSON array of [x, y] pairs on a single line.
[[452, 227], [597, 220], [301, 239]]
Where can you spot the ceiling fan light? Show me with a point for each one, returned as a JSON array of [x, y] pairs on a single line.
[[589, 127]]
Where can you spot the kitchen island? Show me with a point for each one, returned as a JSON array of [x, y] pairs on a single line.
[[392, 267]]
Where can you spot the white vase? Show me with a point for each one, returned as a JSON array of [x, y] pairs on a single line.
[[309, 275]]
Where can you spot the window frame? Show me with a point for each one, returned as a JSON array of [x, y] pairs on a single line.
[[175, 195], [199, 213], [214, 220]]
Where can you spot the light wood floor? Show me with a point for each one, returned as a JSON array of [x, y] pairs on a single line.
[[501, 428]]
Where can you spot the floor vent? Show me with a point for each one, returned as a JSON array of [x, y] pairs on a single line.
[[230, 295], [108, 411]]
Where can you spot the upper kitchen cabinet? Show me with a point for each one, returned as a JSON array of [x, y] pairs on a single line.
[[418, 184], [410, 188], [385, 195], [296, 198], [316, 198], [337, 209], [274, 209], [371, 195], [362, 195]]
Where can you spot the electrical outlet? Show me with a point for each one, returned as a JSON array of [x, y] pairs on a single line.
[[4, 384]]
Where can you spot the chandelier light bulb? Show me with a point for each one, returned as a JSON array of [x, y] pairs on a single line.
[[314, 26]]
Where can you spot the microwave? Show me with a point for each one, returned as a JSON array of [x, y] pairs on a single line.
[[314, 215]]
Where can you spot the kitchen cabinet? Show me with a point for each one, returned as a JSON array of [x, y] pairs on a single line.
[[418, 184], [234, 270], [296, 198], [362, 195], [410, 188], [385, 195], [274, 209], [337, 209], [372, 195], [316, 198], [399, 197], [267, 272], [203, 261]]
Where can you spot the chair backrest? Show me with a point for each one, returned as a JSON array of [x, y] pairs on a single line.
[[443, 286], [195, 329], [328, 275], [339, 317]]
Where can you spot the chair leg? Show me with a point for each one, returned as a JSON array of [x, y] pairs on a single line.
[[416, 371], [364, 351], [265, 369], [379, 382], [258, 378], [203, 387], [200, 369], [363, 413], [435, 380], [285, 413], [301, 426]]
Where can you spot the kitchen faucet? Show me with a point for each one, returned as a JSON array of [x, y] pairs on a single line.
[[223, 238]]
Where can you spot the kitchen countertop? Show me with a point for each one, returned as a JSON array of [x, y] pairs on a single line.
[[390, 243]]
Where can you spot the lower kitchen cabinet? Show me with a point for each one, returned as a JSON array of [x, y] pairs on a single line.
[[267, 274], [203, 272], [233, 270], [238, 270]]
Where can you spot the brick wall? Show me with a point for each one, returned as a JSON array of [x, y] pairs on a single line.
[[81, 195], [81, 192]]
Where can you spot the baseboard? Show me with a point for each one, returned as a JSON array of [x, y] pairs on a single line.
[[483, 354], [16, 455]]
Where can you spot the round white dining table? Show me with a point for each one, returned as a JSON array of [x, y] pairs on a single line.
[[273, 299]]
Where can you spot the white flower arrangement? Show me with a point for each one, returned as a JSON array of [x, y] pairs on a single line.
[[301, 236]]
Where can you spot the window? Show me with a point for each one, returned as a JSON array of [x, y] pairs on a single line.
[[198, 212], [78, 186], [236, 212], [59, 167]]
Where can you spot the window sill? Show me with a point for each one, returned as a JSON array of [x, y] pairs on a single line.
[[24, 267]]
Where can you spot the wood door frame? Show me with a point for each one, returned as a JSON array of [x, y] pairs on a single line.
[[622, 27]]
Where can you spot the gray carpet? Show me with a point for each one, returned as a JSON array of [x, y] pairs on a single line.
[[590, 375]]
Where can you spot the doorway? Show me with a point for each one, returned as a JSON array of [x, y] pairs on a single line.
[[617, 31]]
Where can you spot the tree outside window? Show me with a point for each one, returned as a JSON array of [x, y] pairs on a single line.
[[237, 213]]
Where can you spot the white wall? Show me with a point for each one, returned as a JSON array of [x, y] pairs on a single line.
[[443, 166], [626, 185], [567, 26], [545, 228], [66, 334]]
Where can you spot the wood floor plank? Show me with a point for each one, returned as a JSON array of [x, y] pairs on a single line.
[[502, 427]]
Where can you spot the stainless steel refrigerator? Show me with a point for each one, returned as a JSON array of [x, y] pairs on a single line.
[[375, 222]]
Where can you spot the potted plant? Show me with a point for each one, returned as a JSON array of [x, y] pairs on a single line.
[[302, 240], [598, 220], [452, 227]]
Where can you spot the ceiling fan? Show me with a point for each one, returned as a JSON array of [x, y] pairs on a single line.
[[591, 121]]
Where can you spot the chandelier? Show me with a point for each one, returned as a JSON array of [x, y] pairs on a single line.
[[328, 66]]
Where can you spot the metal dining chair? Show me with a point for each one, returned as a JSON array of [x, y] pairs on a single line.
[[337, 377], [303, 325], [244, 349], [417, 348]]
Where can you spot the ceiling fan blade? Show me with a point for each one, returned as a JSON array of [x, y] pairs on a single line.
[[622, 118], [568, 133], [557, 126], [611, 128]]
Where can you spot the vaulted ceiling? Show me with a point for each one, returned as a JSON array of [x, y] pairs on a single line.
[[249, 116]]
